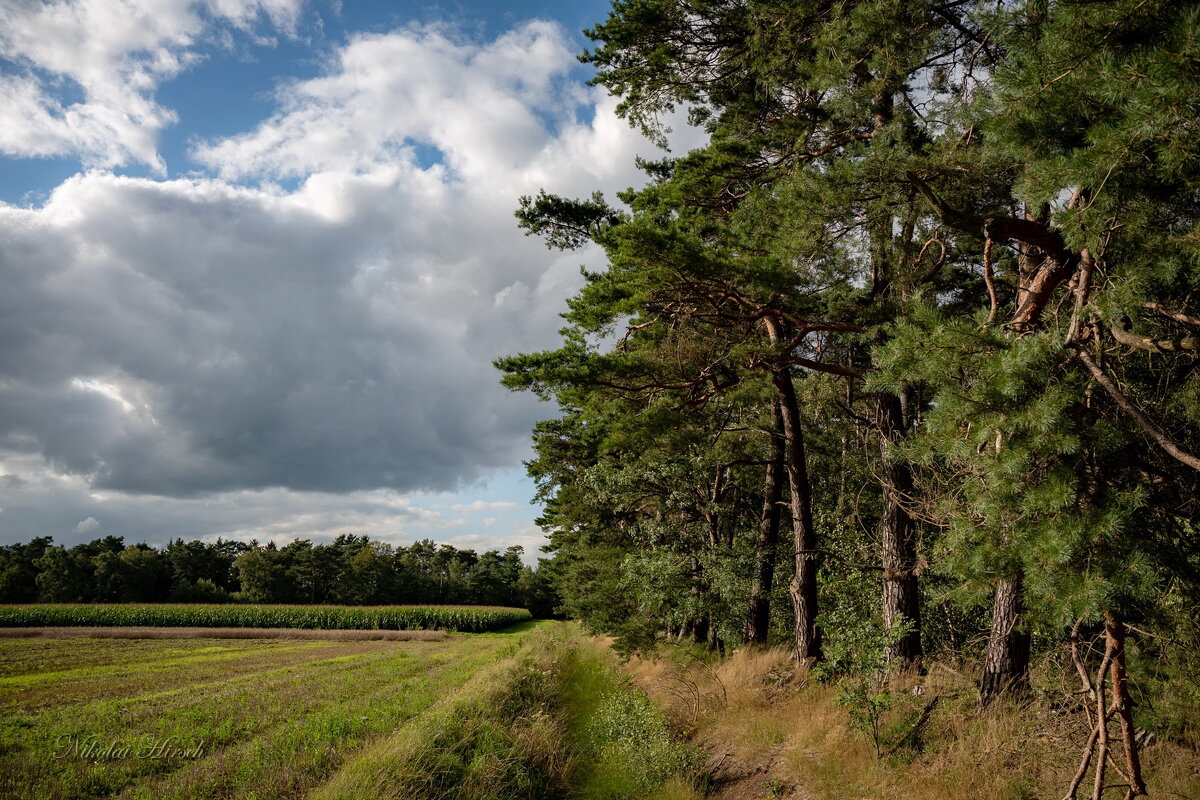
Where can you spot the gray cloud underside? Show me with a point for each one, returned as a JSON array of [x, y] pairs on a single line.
[[190, 337]]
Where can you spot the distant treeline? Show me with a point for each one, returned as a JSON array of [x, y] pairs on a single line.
[[352, 570]]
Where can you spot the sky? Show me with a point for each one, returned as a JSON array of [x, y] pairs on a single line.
[[257, 258]]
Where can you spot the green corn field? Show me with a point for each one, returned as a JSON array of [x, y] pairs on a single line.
[[471, 619]]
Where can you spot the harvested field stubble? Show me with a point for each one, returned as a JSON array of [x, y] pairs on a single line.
[[81, 717]]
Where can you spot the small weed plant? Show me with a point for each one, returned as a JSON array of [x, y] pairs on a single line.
[[858, 666]]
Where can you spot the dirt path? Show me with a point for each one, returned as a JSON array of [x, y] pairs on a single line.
[[734, 779]]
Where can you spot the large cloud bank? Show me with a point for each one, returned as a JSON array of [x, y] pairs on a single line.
[[320, 314]]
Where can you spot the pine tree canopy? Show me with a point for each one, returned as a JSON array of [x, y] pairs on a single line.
[[917, 329]]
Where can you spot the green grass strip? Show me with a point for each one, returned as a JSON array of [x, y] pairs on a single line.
[[557, 720]]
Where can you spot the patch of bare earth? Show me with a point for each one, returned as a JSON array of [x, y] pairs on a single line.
[[732, 778]]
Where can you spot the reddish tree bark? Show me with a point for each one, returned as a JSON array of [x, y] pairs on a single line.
[[804, 583]]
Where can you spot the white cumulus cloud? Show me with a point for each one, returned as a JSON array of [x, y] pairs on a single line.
[[87, 525], [78, 77], [501, 114]]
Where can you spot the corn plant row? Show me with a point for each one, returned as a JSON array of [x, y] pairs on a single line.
[[473, 619]]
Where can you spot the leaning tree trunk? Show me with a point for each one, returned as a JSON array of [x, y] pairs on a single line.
[[804, 583], [1114, 631], [759, 618], [901, 594], [1006, 664], [1098, 748]]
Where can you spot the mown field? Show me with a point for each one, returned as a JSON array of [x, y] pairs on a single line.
[[212, 718]]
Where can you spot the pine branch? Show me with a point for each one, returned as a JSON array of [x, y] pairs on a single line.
[[1178, 316], [820, 366], [1177, 344], [1145, 423], [1030, 231]]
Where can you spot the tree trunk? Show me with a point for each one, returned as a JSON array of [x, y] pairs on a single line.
[[804, 583], [759, 619], [1006, 665], [698, 625], [1114, 630], [715, 643], [712, 516], [901, 594]]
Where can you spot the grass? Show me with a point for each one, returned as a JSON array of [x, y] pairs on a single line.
[[535, 711], [624, 742], [198, 615], [538, 711], [782, 731], [263, 718], [559, 720]]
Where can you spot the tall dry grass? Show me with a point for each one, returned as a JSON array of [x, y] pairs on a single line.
[[787, 735]]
